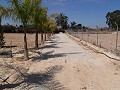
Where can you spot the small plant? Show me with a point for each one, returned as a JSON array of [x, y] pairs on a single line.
[[2, 42]]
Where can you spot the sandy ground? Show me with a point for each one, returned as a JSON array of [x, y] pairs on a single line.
[[17, 40], [62, 64]]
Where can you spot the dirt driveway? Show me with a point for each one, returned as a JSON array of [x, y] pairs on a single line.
[[62, 64], [73, 68]]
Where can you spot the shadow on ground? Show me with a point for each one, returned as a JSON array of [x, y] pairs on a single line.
[[47, 55], [45, 80], [50, 54], [50, 46], [9, 46]]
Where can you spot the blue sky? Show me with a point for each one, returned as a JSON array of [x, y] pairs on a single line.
[[87, 12]]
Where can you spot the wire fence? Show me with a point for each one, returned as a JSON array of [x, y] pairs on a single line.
[[107, 39]]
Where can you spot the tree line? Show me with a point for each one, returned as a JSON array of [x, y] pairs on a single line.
[[31, 15], [7, 28]]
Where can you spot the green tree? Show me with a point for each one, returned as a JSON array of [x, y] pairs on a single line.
[[79, 26], [112, 18], [73, 25], [7, 28], [62, 21], [50, 26], [22, 10]]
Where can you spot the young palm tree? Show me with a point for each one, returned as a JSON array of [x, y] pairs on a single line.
[[35, 19], [22, 10], [52, 26], [46, 27], [43, 18], [49, 26]]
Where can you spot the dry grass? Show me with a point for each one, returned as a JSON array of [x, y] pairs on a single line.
[[17, 39]]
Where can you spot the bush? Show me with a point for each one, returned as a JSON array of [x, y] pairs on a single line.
[[2, 42], [58, 31]]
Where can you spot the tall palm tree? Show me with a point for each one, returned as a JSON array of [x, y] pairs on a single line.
[[62, 21], [22, 10]]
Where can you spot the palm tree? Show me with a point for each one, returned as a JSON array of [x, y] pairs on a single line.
[[52, 26], [53, 16], [73, 25], [3, 13], [49, 26], [62, 21], [43, 18], [22, 10], [35, 19]]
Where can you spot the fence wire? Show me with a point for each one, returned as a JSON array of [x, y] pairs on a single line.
[[104, 39]]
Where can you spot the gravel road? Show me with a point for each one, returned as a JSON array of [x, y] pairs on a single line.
[[64, 65]]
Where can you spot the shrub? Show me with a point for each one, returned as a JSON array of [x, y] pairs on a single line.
[[2, 42]]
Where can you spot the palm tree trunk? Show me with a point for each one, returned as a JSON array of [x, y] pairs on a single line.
[[25, 46], [49, 35], [42, 37], [45, 36], [0, 24], [0, 32], [2, 42], [36, 38]]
